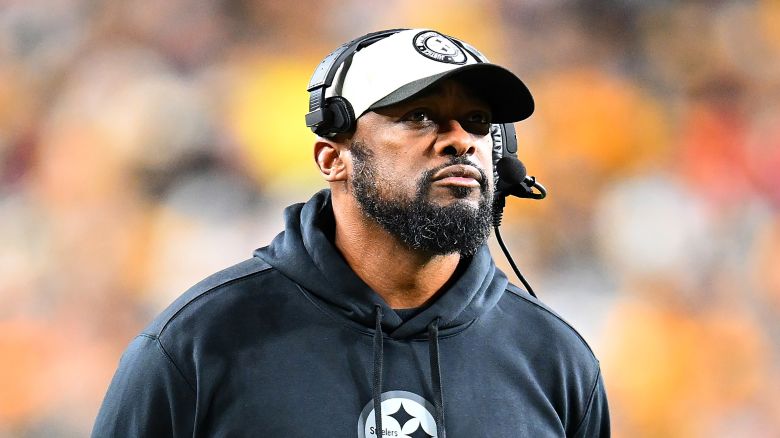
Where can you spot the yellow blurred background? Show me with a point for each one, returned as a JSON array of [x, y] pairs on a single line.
[[147, 144]]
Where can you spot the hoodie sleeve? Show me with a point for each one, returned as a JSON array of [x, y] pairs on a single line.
[[148, 395], [595, 423]]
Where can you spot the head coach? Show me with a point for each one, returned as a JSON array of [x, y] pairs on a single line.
[[378, 311]]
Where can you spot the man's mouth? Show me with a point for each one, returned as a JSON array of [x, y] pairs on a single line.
[[458, 175]]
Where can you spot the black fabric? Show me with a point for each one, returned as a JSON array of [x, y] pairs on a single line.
[[282, 345], [438, 391], [407, 314]]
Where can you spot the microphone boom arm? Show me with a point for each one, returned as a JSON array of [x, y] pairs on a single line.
[[526, 189]]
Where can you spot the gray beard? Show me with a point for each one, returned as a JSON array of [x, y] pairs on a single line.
[[418, 223]]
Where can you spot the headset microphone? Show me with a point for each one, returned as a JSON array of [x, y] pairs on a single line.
[[513, 181], [511, 174]]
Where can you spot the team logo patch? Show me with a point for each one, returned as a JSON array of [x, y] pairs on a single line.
[[404, 415], [439, 48]]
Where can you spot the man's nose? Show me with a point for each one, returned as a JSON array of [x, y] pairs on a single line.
[[454, 140]]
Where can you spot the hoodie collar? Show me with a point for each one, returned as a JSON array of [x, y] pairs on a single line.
[[304, 253]]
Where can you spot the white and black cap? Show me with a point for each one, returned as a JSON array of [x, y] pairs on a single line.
[[399, 66]]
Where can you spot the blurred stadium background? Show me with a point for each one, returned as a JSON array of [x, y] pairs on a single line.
[[147, 144]]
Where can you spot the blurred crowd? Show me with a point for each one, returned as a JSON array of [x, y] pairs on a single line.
[[147, 144]]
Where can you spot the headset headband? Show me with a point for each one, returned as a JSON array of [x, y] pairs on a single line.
[[323, 75]]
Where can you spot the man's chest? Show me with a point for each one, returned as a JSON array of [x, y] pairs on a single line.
[[330, 395]]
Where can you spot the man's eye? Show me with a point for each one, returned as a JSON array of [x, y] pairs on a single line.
[[478, 123], [479, 117], [418, 115]]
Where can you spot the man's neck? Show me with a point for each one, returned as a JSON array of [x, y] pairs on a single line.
[[403, 277]]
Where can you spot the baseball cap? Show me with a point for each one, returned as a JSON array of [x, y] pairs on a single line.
[[402, 65]]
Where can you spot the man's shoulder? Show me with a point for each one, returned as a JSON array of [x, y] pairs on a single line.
[[538, 320], [232, 283]]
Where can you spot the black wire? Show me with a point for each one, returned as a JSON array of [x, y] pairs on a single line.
[[378, 364], [512, 263]]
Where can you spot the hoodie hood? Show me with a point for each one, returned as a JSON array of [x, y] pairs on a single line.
[[304, 252]]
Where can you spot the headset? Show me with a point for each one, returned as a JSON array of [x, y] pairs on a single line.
[[328, 117]]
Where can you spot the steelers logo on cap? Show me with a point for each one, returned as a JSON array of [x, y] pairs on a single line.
[[438, 47]]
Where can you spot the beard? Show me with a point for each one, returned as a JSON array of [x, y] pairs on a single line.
[[416, 221]]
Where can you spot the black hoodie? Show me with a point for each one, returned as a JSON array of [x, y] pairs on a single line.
[[291, 343]]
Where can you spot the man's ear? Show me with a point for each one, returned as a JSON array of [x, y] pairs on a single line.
[[330, 157]]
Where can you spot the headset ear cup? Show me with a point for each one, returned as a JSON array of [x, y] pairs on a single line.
[[510, 139], [504, 145], [495, 134], [339, 117]]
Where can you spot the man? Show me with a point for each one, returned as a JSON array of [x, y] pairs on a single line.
[[378, 311]]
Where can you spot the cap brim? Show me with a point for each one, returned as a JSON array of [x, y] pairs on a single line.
[[507, 96]]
